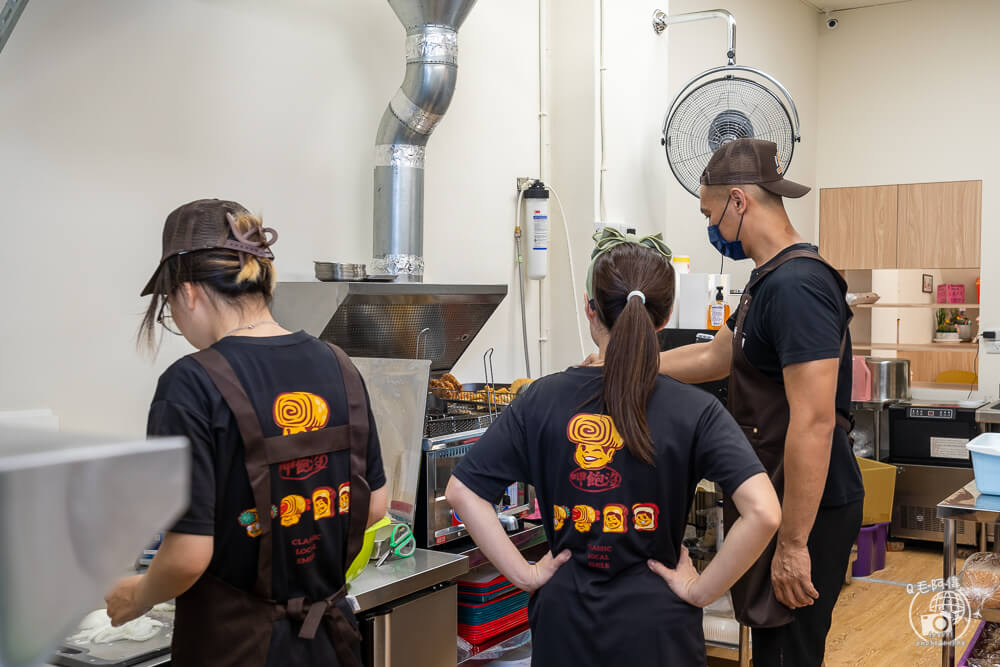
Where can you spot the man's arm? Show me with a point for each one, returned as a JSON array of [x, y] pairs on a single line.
[[810, 388], [700, 362]]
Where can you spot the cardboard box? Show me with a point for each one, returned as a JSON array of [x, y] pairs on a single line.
[[880, 485]]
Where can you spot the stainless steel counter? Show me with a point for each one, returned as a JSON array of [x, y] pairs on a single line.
[[400, 577], [989, 414], [969, 505], [395, 579]]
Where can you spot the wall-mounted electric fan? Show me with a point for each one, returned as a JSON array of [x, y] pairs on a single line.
[[723, 104]]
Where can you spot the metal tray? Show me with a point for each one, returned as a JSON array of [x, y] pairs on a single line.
[[117, 654]]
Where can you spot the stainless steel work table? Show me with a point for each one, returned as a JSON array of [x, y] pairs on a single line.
[[400, 577], [966, 504], [396, 578]]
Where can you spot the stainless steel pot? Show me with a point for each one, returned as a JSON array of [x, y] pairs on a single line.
[[890, 379]]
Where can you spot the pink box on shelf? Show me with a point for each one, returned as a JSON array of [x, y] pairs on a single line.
[[951, 293]]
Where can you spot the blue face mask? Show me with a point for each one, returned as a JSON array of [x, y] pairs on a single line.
[[731, 249]]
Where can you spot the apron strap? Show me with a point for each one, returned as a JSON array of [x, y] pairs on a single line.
[[843, 421], [255, 452], [342, 634], [357, 413]]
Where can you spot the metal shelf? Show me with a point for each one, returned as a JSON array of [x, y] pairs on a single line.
[[957, 306], [919, 347]]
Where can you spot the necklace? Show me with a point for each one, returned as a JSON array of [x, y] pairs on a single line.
[[250, 326]]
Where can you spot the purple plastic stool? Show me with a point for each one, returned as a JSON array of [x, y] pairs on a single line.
[[871, 549]]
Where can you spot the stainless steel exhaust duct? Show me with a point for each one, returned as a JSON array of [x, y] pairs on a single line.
[[416, 108]]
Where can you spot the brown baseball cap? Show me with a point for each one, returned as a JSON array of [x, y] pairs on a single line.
[[750, 162], [205, 224]]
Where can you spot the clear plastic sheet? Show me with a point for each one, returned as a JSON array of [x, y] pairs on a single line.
[[980, 581], [465, 649]]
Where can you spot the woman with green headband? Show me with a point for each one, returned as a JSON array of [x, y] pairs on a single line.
[[615, 452]]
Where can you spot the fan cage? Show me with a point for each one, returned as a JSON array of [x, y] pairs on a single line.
[[708, 113]]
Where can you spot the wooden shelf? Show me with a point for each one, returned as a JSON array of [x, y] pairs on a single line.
[[919, 347], [945, 385], [953, 306]]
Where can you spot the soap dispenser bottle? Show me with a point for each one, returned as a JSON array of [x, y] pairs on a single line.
[[718, 312]]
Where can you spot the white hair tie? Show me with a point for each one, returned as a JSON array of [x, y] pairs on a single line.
[[636, 293]]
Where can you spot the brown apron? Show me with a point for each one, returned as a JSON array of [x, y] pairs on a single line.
[[219, 625], [760, 407]]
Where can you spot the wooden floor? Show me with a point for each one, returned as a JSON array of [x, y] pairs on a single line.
[[871, 621]]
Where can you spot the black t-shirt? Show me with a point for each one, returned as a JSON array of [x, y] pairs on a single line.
[[613, 512], [798, 315], [295, 384]]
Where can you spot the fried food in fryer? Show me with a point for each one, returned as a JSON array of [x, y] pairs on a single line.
[[519, 384]]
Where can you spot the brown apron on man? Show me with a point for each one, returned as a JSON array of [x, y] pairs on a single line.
[[219, 625], [760, 407]]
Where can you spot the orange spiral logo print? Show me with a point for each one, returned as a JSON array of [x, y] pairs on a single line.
[[300, 411], [594, 431], [596, 440]]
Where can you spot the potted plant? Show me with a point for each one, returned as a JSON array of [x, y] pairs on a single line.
[[963, 325], [946, 331]]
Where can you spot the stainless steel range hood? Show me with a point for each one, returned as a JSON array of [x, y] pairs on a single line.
[[390, 320]]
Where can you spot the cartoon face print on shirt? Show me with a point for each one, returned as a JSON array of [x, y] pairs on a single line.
[[559, 515], [292, 509], [584, 517], [644, 516], [615, 519], [596, 439], [322, 500], [249, 520], [344, 496], [300, 411]]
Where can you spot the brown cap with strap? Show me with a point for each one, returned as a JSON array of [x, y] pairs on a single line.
[[209, 223], [751, 162]]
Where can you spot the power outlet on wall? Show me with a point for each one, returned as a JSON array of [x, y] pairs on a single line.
[[620, 226], [991, 341]]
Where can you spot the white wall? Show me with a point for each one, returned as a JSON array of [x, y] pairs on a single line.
[[778, 37], [115, 112], [907, 95]]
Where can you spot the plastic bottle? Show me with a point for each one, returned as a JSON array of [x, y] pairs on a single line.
[[536, 199], [718, 312]]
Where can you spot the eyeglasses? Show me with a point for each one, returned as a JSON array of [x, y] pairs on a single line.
[[166, 320]]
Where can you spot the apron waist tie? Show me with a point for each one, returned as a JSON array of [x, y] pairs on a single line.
[[343, 635], [845, 423]]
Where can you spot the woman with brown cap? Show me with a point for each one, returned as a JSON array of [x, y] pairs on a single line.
[[272, 417], [624, 447]]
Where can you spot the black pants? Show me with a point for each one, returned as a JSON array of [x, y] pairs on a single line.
[[802, 642]]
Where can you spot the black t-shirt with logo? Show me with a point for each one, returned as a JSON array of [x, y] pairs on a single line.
[[613, 512], [798, 315], [295, 385]]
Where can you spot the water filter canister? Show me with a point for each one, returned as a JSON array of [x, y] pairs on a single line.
[[536, 238]]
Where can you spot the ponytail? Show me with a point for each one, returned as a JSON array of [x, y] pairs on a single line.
[[633, 293], [631, 364]]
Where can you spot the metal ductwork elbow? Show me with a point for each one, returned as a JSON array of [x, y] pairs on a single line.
[[412, 114]]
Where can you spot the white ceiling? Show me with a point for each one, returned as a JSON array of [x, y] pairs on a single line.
[[838, 5]]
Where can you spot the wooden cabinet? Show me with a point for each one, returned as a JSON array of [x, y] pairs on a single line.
[[916, 226], [857, 227], [939, 225]]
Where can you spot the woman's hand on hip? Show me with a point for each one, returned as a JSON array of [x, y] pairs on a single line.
[[538, 574], [683, 580]]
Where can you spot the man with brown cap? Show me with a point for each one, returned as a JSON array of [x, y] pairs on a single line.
[[787, 352]]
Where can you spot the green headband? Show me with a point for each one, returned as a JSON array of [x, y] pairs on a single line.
[[609, 237]]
